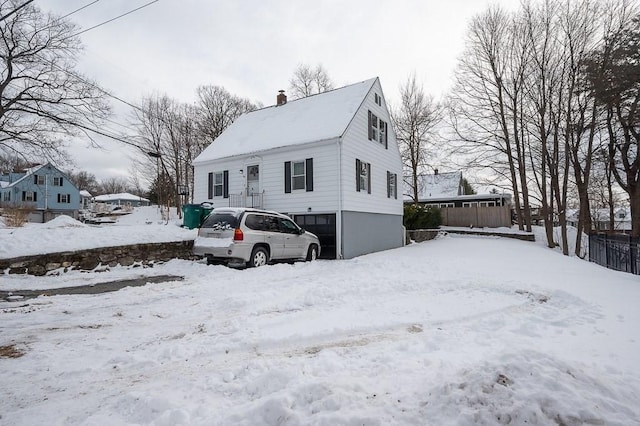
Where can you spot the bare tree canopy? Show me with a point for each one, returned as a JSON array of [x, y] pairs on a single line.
[[415, 122], [42, 99], [217, 109], [308, 81]]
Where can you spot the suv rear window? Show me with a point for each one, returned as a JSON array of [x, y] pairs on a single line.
[[220, 221]]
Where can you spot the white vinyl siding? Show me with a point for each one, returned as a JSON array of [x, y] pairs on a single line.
[[323, 198], [356, 145]]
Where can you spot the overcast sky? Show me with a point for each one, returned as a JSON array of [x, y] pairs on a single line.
[[252, 47]]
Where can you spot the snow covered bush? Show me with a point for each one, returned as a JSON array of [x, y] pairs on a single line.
[[16, 214]]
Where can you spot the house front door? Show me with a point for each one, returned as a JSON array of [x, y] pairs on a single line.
[[253, 179]]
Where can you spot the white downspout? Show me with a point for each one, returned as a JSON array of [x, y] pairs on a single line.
[[339, 214]]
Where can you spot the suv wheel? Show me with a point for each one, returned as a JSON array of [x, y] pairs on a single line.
[[259, 257], [312, 254]]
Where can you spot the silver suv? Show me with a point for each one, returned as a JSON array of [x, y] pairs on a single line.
[[243, 236]]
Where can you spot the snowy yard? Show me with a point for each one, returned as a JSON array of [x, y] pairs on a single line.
[[458, 330]]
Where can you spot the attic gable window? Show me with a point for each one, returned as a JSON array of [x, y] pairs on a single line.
[[377, 129], [38, 179], [57, 181], [378, 99]]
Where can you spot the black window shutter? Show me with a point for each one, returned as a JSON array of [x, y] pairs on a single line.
[[24, 195], [358, 175], [369, 178], [35, 179], [287, 177], [58, 197], [386, 130], [210, 187], [35, 197], [395, 186], [370, 128], [309, 174], [60, 181], [225, 184], [388, 184]]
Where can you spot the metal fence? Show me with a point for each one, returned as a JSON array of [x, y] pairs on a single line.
[[615, 251]]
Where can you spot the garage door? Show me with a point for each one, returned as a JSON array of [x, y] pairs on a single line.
[[324, 226]]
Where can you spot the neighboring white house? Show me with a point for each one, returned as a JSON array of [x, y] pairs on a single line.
[[85, 199], [123, 199], [600, 219], [330, 161]]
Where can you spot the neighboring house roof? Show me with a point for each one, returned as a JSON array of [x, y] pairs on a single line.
[[123, 196], [85, 193], [440, 185], [28, 172], [315, 118]]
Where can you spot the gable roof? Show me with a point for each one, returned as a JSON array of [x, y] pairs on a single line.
[[28, 172], [315, 118], [441, 185]]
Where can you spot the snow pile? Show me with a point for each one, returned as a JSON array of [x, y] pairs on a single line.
[[457, 330], [61, 221], [142, 225]]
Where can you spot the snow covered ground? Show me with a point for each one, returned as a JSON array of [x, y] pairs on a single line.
[[63, 233], [457, 330]]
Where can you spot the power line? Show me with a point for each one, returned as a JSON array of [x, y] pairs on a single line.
[[15, 10], [78, 10], [113, 19]]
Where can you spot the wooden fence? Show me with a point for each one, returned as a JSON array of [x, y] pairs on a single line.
[[478, 217]]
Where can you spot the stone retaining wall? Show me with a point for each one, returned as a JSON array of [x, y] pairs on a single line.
[[420, 235], [87, 260]]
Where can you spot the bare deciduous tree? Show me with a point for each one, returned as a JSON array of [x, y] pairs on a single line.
[[309, 80], [217, 109], [42, 98], [415, 122]]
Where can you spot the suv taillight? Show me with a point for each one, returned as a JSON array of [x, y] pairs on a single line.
[[238, 235]]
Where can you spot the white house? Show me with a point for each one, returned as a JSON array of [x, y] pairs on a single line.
[[330, 161], [123, 199]]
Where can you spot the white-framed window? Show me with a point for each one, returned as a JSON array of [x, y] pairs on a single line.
[[446, 205], [57, 181], [470, 204], [6, 196], [378, 99], [374, 127], [39, 179], [218, 184], [64, 198], [363, 176], [392, 185], [298, 175], [377, 129], [29, 196], [487, 203]]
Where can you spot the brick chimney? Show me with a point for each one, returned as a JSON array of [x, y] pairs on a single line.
[[281, 99]]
